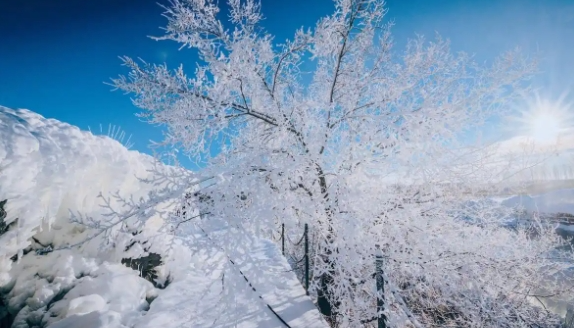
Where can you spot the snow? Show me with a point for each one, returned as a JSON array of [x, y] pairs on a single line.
[[49, 169], [552, 202], [215, 280], [555, 201]]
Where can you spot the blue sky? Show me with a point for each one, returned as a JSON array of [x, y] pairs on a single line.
[[56, 55]]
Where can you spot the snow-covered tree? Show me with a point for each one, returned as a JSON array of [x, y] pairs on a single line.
[[335, 129]]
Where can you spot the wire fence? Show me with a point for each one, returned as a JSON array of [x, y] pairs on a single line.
[[301, 265], [569, 319]]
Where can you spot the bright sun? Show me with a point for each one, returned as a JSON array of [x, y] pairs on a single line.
[[545, 127], [545, 121]]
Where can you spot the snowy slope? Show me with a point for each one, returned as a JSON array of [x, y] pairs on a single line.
[[49, 168]]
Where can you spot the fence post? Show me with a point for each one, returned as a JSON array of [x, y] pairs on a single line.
[[307, 258], [382, 319], [283, 238], [569, 319]]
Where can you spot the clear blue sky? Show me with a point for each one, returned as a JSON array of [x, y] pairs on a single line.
[[56, 54]]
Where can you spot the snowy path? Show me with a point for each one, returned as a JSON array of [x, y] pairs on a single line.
[[215, 294]]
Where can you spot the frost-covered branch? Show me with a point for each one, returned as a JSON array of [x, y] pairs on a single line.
[[122, 215]]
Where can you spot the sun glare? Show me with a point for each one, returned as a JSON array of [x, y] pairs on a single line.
[[545, 127], [545, 122]]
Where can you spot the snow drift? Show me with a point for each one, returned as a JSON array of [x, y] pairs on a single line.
[[47, 170]]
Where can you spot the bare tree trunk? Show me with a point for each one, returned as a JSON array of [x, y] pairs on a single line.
[[327, 305]]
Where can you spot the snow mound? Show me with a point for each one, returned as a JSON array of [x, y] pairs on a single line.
[[48, 168], [65, 289]]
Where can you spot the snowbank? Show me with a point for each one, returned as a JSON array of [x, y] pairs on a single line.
[[49, 168], [560, 201]]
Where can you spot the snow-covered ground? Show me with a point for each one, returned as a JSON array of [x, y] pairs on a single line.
[[554, 201], [49, 169], [560, 201], [551, 203], [233, 286]]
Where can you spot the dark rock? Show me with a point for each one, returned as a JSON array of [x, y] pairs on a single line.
[[6, 317], [3, 225], [146, 265]]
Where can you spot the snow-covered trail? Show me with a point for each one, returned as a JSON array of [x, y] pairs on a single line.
[[234, 287]]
